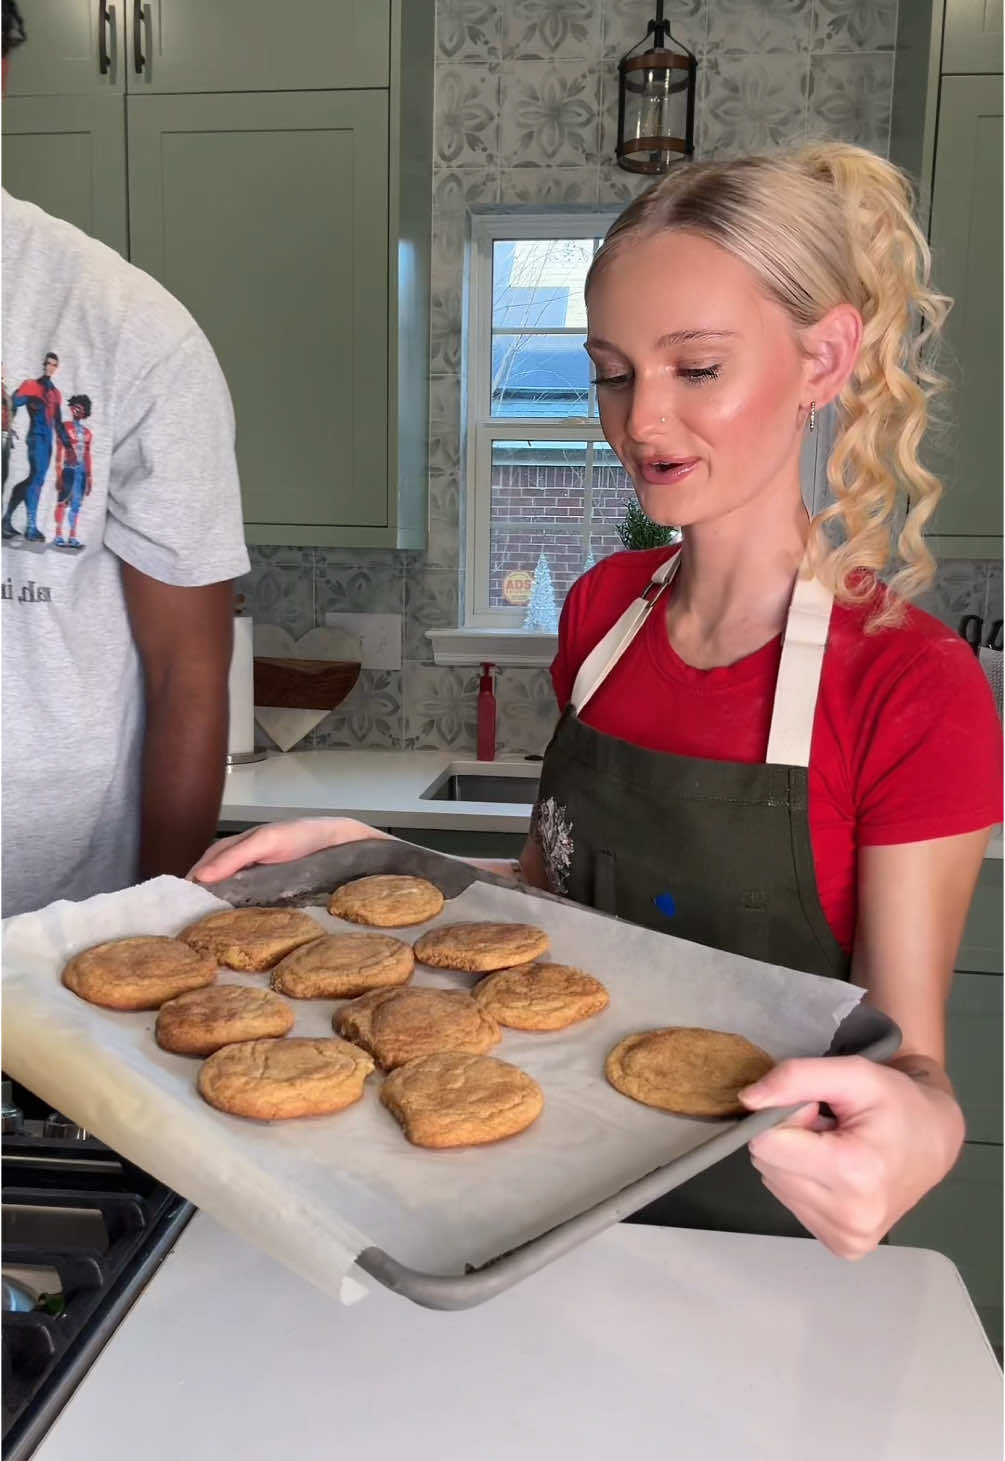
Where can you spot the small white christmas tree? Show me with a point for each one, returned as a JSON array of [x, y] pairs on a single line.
[[542, 610], [590, 562]]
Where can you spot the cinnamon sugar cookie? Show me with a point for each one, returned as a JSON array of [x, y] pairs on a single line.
[[342, 965], [452, 1099], [479, 948], [387, 900], [137, 973], [541, 996], [396, 1025], [272, 1080], [201, 1021], [251, 938], [688, 1071]]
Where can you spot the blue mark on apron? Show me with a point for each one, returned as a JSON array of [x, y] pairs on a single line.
[[665, 903]]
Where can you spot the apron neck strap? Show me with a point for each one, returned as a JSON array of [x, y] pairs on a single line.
[[798, 684], [803, 647], [601, 660]]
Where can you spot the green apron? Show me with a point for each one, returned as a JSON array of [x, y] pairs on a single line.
[[717, 852]]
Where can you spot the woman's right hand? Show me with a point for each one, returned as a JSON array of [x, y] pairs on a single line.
[[278, 842]]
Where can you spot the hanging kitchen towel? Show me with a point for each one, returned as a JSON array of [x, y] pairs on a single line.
[[287, 727]]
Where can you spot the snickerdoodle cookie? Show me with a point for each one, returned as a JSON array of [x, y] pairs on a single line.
[[396, 1025], [341, 965], [479, 948], [251, 938], [201, 1021], [541, 996], [137, 973], [452, 1099], [272, 1080], [690, 1072], [387, 900]]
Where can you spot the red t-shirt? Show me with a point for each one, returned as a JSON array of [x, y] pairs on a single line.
[[906, 741]]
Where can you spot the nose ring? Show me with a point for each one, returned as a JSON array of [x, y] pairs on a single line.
[[663, 420]]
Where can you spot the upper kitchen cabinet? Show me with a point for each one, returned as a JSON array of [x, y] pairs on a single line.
[[68, 155], [83, 46], [257, 45], [279, 181], [267, 215], [947, 133], [75, 48]]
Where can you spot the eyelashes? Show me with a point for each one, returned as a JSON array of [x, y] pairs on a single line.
[[696, 375]]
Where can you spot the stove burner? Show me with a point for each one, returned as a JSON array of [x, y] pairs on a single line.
[[83, 1232]]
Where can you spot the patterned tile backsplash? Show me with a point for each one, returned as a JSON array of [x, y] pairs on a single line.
[[526, 107]]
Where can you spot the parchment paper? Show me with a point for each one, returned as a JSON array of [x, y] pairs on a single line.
[[313, 1193]]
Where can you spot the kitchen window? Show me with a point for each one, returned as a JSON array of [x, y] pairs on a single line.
[[542, 485]]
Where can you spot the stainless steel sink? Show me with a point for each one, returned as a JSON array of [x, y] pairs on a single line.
[[519, 789]]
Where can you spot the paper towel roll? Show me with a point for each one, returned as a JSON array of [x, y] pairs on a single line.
[[241, 686]]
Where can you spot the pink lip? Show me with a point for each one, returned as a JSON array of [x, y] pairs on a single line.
[[659, 476]]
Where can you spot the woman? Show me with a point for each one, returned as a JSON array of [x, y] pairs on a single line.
[[811, 807]]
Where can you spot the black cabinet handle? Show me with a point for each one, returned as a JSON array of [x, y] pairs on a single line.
[[139, 60], [104, 23]]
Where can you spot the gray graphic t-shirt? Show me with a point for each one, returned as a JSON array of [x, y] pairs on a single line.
[[118, 443]]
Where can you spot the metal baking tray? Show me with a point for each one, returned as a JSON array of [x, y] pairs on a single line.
[[309, 882]]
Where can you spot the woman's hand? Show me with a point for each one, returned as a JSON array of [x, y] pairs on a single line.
[[278, 842], [894, 1136]]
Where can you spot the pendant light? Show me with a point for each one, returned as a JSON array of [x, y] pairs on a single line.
[[657, 81]]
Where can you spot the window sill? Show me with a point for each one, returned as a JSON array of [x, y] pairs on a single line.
[[492, 646]]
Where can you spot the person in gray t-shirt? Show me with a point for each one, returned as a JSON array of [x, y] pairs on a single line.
[[116, 628]]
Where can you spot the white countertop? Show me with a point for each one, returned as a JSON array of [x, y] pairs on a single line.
[[643, 1342], [380, 787]]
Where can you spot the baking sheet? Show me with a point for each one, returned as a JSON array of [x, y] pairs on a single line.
[[314, 1193]]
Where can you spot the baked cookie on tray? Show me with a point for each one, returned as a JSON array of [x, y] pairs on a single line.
[[387, 900], [251, 939], [452, 1099], [343, 965], [274, 1080], [396, 1025], [478, 948], [541, 996], [201, 1021], [691, 1072], [137, 973]]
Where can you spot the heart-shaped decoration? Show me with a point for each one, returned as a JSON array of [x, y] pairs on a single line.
[[287, 727]]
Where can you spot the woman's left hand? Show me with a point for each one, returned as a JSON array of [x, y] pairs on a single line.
[[849, 1180]]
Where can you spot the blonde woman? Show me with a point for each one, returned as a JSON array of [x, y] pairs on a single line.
[[812, 806]]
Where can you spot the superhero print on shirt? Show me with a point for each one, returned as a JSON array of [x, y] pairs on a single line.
[[73, 478]]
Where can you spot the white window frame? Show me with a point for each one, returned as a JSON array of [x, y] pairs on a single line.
[[481, 429]]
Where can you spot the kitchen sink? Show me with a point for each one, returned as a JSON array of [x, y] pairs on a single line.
[[518, 789]]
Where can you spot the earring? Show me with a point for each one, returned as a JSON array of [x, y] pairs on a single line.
[[813, 416]]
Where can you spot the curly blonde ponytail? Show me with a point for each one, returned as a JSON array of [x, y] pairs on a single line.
[[874, 470], [826, 224]]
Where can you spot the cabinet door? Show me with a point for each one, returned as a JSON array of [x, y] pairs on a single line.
[[267, 216], [967, 264], [255, 45], [962, 1218], [973, 36], [974, 1049], [63, 52], [68, 155]]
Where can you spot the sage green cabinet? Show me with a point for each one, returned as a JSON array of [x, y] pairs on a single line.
[[267, 215], [250, 45], [67, 40], [972, 37], [946, 132], [68, 155], [279, 184]]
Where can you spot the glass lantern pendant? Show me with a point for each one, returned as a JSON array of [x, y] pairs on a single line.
[[657, 80]]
